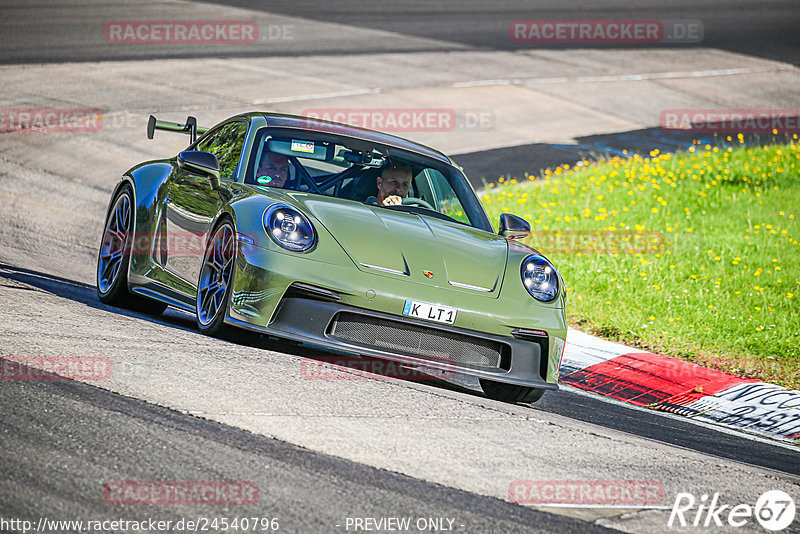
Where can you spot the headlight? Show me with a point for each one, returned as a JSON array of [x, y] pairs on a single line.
[[540, 278], [289, 228]]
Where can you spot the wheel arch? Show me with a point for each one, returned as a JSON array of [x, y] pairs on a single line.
[[145, 180], [226, 211]]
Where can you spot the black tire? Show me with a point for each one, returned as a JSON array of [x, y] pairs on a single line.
[[114, 257], [510, 392], [215, 283]]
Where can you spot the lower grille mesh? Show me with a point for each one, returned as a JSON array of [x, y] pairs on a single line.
[[417, 340]]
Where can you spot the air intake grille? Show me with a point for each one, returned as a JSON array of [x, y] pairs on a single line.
[[415, 340]]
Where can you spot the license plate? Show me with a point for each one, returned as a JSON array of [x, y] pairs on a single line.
[[430, 312]]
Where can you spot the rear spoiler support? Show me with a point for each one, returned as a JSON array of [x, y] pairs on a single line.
[[190, 128]]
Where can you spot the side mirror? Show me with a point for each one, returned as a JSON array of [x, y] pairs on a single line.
[[204, 163], [513, 227]]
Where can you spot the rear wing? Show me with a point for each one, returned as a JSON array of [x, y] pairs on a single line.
[[190, 128]]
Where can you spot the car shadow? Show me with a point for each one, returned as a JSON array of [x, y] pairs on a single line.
[[524, 161], [85, 294], [328, 365]]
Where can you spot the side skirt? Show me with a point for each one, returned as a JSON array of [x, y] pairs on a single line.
[[157, 291]]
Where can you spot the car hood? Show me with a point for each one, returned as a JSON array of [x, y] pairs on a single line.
[[396, 243]]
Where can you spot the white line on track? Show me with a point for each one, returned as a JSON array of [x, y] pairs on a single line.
[[480, 83], [598, 506], [319, 96], [628, 77], [515, 81]]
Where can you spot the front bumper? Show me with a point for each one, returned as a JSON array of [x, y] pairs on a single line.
[[295, 297], [314, 322]]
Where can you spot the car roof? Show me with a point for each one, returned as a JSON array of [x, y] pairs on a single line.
[[279, 120]]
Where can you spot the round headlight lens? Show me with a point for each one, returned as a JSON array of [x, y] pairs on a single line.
[[540, 278], [289, 228]]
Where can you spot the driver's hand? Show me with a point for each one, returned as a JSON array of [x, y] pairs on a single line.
[[392, 200]]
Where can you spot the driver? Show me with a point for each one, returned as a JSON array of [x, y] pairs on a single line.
[[393, 185], [273, 170]]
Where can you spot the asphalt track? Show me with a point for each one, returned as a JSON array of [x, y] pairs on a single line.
[[342, 450], [763, 29], [566, 402], [83, 437], [766, 29]]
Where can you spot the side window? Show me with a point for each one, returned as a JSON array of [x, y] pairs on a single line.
[[445, 199], [226, 144]]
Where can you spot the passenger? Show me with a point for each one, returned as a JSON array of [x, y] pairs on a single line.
[[393, 185]]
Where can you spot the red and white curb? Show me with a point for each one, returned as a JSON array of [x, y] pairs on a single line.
[[679, 387]]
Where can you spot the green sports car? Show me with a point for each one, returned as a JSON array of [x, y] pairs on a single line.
[[339, 237]]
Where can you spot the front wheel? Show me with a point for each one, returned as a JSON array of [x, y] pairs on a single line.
[[510, 393], [216, 280], [114, 258]]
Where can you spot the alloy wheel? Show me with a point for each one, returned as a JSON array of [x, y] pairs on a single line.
[[216, 274]]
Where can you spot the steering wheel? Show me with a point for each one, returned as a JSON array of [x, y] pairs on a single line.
[[413, 201]]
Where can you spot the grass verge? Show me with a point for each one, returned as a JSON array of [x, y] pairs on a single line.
[[693, 255]]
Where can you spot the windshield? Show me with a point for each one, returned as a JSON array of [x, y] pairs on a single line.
[[356, 170]]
